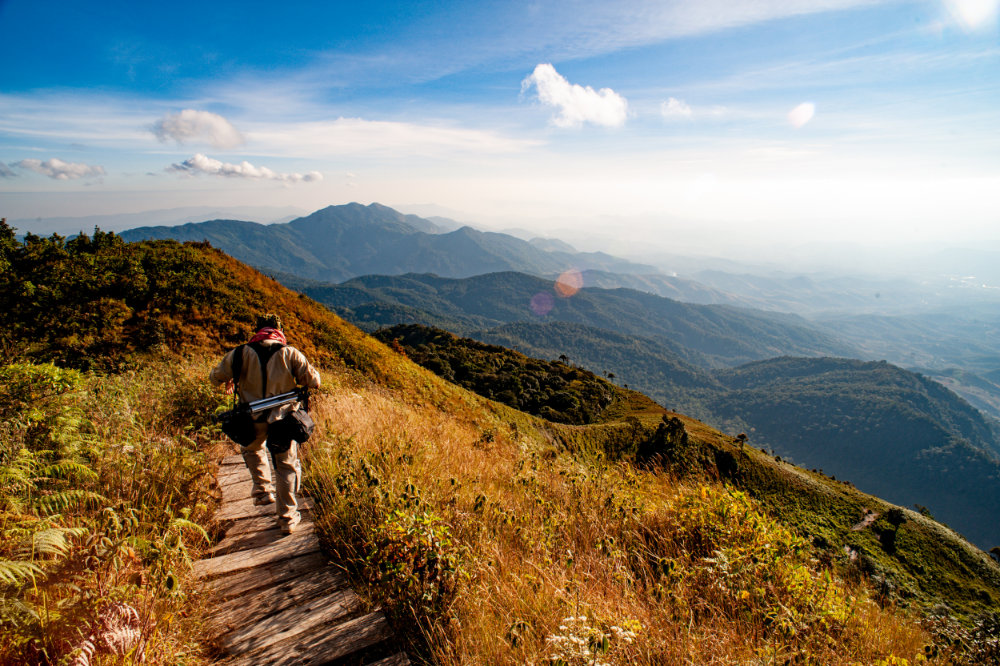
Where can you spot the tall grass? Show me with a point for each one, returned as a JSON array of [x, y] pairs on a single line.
[[502, 550], [104, 487]]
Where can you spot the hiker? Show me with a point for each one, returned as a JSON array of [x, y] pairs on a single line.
[[267, 358]]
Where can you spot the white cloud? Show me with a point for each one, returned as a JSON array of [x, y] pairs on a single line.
[[676, 108], [198, 126], [203, 164], [576, 104], [57, 169], [801, 114], [360, 137]]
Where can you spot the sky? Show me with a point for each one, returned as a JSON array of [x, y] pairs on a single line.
[[692, 124]]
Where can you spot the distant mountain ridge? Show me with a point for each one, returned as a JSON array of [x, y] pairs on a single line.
[[341, 242], [716, 335]]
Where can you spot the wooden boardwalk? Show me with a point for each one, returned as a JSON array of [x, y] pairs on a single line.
[[278, 599]]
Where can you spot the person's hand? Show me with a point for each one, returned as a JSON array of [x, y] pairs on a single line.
[[229, 387]]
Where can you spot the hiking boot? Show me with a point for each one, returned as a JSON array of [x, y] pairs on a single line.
[[262, 500], [289, 526]]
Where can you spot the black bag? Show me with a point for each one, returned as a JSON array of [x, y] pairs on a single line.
[[237, 423], [296, 425]]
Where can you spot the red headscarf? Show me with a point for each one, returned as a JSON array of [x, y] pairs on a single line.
[[269, 334]]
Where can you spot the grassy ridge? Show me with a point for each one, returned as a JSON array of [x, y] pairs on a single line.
[[489, 534]]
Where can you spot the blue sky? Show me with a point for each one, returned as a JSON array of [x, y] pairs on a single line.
[[799, 120]]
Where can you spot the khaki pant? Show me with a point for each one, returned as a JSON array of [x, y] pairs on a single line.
[[287, 475]]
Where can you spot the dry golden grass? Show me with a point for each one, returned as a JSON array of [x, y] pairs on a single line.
[[535, 536]]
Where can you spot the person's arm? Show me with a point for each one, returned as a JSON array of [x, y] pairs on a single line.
[[223, 372], [305, 374]]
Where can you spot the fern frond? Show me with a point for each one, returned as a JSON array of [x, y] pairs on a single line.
[[68, 469], [185, 523], [53, 542], [15, 613], [65, 499], [16, 572]]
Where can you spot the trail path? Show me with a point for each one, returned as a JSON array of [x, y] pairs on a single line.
[[279, 600]]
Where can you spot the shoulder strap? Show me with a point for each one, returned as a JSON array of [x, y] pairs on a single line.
[[264, 354], [237, 366]]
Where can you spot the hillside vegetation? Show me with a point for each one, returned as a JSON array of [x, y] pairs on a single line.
[[488, 534]]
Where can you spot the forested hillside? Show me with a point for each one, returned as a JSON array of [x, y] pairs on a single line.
[[891, 432], [717, 334], [478, 528]]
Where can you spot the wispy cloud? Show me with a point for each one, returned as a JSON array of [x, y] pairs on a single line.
[[191, 125], [360, 137], [202, 164], [576, 104], [57, 169], [675, 108], [6, 171]]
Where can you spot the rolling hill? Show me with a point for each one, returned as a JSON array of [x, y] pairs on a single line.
[[718, 335]]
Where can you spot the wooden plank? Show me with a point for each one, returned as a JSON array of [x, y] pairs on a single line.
[[269, 575], [321, 611], [300, 543], [249, 540], [266, 601], [239, 490], [235, 459], [256, 524], [231, 474], [247, 509], [321, 645], [243, 509], [398, 659]]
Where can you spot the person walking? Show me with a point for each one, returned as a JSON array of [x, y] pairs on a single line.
[[270, 367]]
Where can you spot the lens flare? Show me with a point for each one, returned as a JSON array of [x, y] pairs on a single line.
[[801, 114], [569, 283], [541, 303]]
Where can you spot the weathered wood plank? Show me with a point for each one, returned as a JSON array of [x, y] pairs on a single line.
[[257, 539], [321, 611], [255, 524], [269, 575], [398, 659], [240, 489], [234, 459], [247, 509], [322, 645], [260, 603], [300, 543]]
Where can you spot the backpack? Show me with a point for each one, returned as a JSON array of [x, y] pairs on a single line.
[[237, 423]]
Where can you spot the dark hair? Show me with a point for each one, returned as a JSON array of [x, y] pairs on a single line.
[[269, 320]]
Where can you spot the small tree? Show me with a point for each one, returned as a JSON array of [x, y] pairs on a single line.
[[995, 552]]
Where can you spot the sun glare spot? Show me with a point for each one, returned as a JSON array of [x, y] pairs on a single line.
[[973, 14], [801, 114], [569, 283], [541, 303]]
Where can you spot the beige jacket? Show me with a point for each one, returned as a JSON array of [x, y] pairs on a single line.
[[286, 369]]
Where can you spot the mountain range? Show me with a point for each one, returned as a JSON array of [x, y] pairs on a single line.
[[341, 242]]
